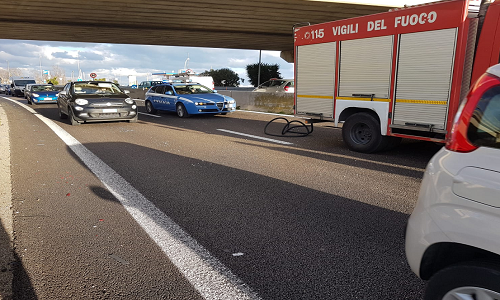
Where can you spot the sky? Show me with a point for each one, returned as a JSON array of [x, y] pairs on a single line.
[[118, 61]]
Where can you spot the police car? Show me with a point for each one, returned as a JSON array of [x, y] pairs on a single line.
[[187, 99]]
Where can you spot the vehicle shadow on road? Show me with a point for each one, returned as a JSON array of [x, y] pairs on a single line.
[[11, 267], [286, 241], [353, 160], [410, 153]]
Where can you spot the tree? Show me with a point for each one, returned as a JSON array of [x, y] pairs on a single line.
[[223, 77], [58, 73], [14, 72], [267, 71], [53, 80]]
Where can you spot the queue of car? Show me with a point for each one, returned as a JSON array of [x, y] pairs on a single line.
[[96, 101]]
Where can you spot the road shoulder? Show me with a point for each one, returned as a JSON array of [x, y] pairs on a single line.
[[6, 255]]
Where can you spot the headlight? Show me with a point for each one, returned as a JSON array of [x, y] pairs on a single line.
[[36, 95], [230, 101], [57, 95], [129, 101], [200, 103], [81, 101]]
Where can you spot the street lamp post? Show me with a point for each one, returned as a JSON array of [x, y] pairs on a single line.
[[8, 68], [260, 62]]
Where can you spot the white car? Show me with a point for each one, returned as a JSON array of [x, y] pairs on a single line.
[[453, 234], [275, 85]]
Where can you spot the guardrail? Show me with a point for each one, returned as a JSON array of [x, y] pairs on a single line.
[[265, 102]]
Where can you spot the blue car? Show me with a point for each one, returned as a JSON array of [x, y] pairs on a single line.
[[187, 99], [42, 93]]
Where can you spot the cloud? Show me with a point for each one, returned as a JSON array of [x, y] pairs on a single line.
[[62, 55]]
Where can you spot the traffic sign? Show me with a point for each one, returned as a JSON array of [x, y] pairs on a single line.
[[93, 75]]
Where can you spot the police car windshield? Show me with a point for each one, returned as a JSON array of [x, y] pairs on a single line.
[[192, 89], [96, 88], [42, 88]]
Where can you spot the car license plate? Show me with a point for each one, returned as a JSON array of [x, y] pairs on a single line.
[[47, 99], [109, 110]]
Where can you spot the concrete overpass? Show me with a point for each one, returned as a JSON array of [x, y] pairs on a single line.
[[238, 24]]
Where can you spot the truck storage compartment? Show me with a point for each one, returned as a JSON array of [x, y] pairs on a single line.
[[315, 92], [365, 68], [423, 80]]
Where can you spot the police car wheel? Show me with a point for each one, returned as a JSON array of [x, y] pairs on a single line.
[[181, 111], [149, 108]]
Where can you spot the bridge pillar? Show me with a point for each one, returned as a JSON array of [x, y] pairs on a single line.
[[287, 55]]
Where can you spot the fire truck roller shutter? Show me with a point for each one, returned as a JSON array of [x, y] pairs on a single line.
[[365, 68], [425, 69], [315, 79]]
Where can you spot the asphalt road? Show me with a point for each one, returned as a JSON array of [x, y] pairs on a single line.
[[191, 209]]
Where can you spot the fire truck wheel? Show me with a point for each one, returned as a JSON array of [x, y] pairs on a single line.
[[361, 133]]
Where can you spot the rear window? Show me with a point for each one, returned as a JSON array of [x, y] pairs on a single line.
[[43, 88], [277, 82], [23, 82], [484, 127]]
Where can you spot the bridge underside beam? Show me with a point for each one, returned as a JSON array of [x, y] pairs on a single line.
[[256, 24]]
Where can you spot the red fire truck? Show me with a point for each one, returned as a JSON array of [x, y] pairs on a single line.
[[398, 74]]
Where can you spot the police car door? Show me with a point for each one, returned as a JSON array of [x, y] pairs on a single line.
[[159, 99], [169, 98]]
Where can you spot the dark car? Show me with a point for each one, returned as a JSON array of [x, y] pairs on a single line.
[[95, 101]]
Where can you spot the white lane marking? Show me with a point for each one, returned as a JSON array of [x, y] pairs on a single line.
[[256, 137], [206, 273], [149, 115]]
